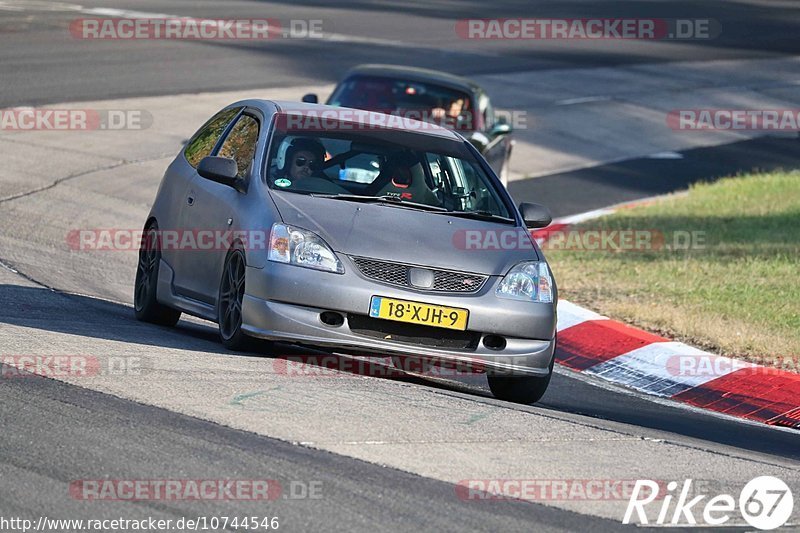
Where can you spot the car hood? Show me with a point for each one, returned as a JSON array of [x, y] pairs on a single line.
[[408, 236]]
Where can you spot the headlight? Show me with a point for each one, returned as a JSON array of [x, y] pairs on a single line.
[[530, 281], [296, 246]]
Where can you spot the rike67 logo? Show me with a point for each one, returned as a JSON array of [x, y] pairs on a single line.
[[765, 503]]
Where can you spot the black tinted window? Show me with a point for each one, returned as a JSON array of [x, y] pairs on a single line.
[[240, 144], [206, 137]]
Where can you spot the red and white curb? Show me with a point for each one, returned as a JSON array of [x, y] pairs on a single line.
[[596, 345]]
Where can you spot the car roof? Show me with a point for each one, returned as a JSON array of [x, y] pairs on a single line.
[[369, 119], [416, 74]]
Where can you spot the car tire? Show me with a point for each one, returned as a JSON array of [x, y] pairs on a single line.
[[145, 305], [229, 303], [525, 389]]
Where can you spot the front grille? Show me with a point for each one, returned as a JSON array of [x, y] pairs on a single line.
[[413, 333], [393, 273], [398, 274]]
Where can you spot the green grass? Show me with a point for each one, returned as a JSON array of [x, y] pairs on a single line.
[[739, 294]]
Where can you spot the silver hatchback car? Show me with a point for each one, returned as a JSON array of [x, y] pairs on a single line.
[[355, 231]]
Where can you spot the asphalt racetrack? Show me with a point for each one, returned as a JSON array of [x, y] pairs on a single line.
[[352, 453]]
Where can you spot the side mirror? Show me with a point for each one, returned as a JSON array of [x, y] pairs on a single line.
[[535, 215], [479, 140], [501, 128], [221, 170], [310, 98]]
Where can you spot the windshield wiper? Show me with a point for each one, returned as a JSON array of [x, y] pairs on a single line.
[[381, 200], [481, 215]]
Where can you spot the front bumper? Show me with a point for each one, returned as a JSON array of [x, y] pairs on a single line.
[[284, 303]]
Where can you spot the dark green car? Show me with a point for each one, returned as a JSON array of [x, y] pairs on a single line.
[[451, 101]]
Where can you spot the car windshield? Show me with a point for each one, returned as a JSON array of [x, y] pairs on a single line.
[[405, 169], [410, 99]]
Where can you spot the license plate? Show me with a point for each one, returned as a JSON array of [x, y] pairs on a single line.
[[437, 316]]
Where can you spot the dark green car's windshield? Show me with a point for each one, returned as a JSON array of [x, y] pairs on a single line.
[[442, 175], [425, 101]]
